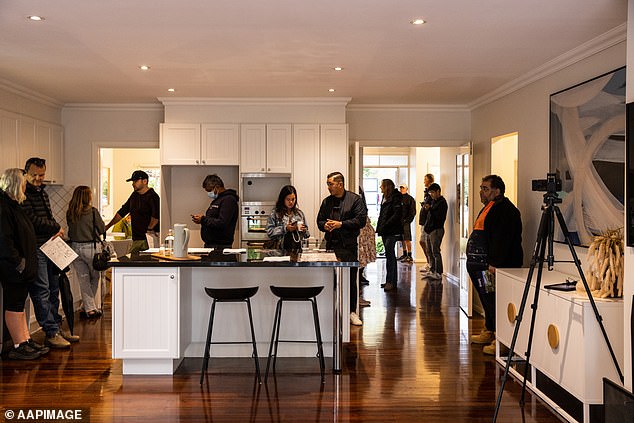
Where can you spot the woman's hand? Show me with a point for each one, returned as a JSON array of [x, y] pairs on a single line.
[[290, 227]]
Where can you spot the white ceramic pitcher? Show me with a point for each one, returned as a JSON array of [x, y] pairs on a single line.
[[181, 240]]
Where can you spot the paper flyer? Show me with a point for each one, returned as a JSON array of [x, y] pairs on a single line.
[[59, 252]]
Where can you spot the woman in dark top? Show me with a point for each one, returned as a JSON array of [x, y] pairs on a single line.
[[18, 263], [390, 228], [84, 226]]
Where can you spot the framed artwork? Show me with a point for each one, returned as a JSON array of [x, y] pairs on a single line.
[[587, 151], [629, 154]]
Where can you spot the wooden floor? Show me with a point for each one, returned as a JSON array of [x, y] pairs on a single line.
[[410, 362]]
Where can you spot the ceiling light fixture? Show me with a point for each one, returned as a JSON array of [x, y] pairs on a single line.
[[35, 18], [338, 68], [331, 90], [144, 67], [171, 90], [417, 21]]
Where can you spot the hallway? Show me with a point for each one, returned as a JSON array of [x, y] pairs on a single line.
[[410, 362]]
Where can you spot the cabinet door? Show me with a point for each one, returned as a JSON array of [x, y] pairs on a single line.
[[180, 143], [9, 142], [55, 162], [26, 140], [145, 313], [220, 145], [279, 148], [306, 176], [334, 153], [253, 148]]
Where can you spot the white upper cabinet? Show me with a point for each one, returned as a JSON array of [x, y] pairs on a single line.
[[266, 148], [55, 161], [195, 144], [220, 144], [180, 144], [9, 142]]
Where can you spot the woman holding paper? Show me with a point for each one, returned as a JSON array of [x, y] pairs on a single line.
[[18, 263], [85, 225]]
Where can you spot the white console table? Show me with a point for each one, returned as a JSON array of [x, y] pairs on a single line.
[[569, 375]]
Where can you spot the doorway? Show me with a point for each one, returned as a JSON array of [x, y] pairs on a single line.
[[115, 166], [504, 162]]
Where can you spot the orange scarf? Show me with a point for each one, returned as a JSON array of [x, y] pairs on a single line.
[[479, 223]]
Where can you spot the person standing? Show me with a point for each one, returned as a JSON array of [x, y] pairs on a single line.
[[390, 228], [341, 216], [435, 230], [144, 208], [367, 248], [18, 264], [409, 213], [422, 218], [496, 241], [287, 223], [44, 291], [218, 224], [84, 226]]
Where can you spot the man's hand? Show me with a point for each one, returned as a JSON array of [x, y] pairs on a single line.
[[196, 218], [331, 225], [60, 233]]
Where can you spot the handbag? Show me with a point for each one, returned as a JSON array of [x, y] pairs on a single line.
[[101, 259]]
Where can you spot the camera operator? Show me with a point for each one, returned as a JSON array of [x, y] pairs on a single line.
[[496, 241]]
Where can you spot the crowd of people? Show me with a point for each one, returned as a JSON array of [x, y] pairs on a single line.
[[27, 222]]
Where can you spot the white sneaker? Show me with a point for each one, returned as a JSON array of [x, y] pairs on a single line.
[[354, 319]]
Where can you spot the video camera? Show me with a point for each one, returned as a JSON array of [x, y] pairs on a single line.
[[551, 185]]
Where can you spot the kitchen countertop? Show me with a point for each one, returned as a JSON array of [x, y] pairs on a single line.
[[250, 258]]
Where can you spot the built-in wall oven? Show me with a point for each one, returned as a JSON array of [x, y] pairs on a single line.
[[253, 220]]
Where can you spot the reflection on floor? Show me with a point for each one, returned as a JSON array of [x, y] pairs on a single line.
[[410, 361]]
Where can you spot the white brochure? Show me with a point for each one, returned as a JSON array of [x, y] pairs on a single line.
[[59, 252]]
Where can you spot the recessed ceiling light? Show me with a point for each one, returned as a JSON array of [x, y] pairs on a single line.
[[338, 68], [417, 21], [331, 90], [144, 67], [35, 18], [171, 90]]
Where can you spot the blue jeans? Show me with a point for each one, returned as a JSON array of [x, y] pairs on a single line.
[[44, 292], [434, 239], [88, 277], [389, 242]]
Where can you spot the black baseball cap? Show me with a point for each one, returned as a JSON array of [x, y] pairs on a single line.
[[136, 175]]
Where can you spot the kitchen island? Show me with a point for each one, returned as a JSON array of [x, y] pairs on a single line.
[[160, 310]]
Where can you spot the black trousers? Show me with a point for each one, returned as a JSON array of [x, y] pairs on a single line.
[[350, 254]]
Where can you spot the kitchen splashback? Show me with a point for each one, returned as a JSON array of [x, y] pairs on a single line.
[[263, 187]]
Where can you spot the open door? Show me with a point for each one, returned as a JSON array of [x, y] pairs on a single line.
[[463, 178]]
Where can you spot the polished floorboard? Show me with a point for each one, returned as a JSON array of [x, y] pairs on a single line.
[[411, 361]]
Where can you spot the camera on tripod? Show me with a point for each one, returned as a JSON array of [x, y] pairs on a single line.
[[551, 184]]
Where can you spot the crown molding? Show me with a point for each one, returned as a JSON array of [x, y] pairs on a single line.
[[118, 107], [29, 94], [604, 41], [254, 101], [407, 108]]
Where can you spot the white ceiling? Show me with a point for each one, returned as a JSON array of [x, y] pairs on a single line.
[[88, 51]]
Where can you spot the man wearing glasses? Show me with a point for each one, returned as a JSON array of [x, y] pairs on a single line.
[[44, 292], [496, 241], [341, 216]]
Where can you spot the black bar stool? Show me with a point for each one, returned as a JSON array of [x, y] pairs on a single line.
[[230, 295], [308, 293]]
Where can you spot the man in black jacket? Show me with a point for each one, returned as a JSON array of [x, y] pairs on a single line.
[[435, 230], [44, 292], [341, 216], [409, 213], [422, 218], [496, 241], [218, 224]]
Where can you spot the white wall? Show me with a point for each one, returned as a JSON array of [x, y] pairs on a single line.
[[87, 127], [25, 102]]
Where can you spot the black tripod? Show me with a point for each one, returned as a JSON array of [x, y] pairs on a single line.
[[545, 237]]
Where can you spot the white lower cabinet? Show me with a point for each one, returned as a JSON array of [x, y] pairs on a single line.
[[145, 319], [567, 371]]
